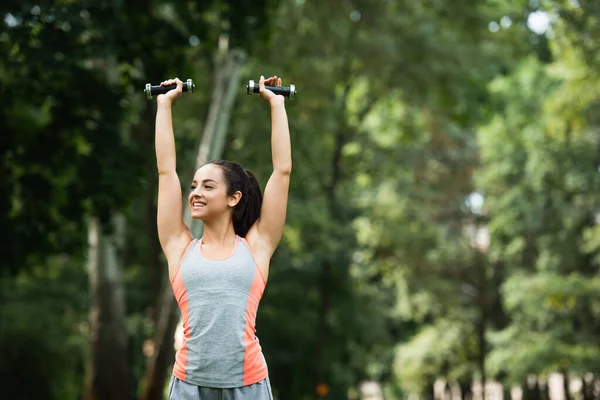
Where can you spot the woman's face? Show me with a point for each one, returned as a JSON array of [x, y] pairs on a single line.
[[208, 195]]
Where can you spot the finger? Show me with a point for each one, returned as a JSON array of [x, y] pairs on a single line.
[[279, 82], [261, 82], [179, 84]]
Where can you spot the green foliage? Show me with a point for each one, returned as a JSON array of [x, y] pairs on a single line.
[[43, 332], [540, 176], [408, 115], [421, 360]]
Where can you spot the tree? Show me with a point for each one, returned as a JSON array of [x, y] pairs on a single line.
[[541, 187]]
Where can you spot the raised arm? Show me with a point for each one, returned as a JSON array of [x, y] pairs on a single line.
[[269, 226], [172, 232]]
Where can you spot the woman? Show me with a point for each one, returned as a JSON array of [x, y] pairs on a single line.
[[218, 280]]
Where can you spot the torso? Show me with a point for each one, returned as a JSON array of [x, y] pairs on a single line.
[[218, 295]]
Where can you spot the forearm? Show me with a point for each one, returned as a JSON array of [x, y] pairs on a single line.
[[280, 138], [164, 138]]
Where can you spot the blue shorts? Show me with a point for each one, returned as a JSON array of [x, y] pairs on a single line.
[[180, 390]]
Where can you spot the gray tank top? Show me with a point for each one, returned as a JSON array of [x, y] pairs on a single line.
[[218, 300]]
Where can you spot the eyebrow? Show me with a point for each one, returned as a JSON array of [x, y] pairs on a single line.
[[204, 181]]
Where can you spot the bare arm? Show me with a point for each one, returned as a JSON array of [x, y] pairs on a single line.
[[268, 229], [172, 232]]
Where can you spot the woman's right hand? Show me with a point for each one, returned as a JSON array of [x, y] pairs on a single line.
[[172, 94]]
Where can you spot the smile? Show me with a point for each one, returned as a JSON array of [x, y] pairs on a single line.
[[198, 204]]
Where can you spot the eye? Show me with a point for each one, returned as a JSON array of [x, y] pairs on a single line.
[[208, 187], [192, 187]]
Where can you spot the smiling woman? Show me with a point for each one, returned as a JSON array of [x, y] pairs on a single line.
[[218, 280], [222, 180]]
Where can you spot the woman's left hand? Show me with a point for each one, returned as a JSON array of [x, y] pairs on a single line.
[[266, 93]]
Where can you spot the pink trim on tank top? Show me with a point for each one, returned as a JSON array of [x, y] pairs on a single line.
[[254, 258], [185, 253], [180, 292], [255, 368]]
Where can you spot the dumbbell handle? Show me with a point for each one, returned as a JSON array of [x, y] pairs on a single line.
[[286, 91], [188, 86]]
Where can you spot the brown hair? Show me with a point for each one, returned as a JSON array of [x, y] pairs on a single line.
[[247, 210]]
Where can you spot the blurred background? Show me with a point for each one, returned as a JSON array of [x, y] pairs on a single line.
[[443, 235]]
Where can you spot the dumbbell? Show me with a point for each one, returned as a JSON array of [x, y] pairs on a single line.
[[286, 91], [188, 86]]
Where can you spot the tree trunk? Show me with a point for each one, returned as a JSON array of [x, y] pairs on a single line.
[[108, 374], [566, 384], [536, 392], [481, 325], [466, 392], [587, 391], [531, 388], [227, 80], [323, 328], [481, 342], [164, 352], [429, 391], [342, 135], [325, 282], [544, 389]]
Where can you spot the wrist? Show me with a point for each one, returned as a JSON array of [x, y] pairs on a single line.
[[277, 102], [164, 103]]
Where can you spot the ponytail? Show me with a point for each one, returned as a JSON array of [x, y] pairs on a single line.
[[247, 210]]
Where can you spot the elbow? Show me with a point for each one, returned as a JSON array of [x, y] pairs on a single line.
[[165, 170], [165, 167], [285, 170]]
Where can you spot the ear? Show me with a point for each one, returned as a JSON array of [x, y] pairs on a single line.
[[234, 199]]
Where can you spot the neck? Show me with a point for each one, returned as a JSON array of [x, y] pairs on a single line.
[[218, 233]]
